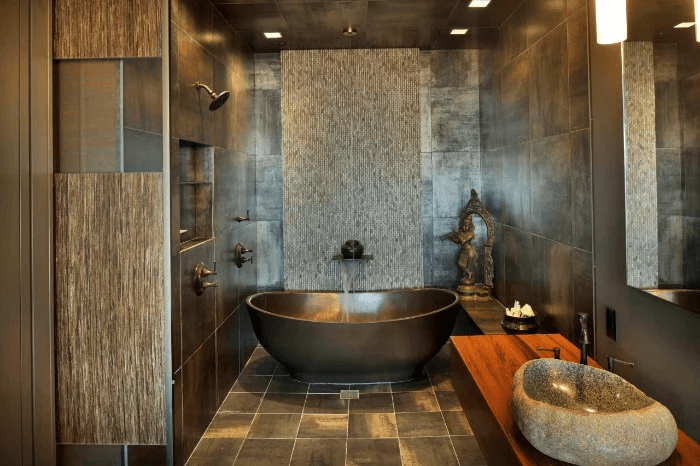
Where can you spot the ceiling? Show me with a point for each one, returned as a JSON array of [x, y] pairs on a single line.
[[654, 20], [318, 24]]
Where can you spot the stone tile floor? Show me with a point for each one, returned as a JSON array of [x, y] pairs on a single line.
[[269, 418]]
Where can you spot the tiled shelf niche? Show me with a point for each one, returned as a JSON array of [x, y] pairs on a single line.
[[196, 193]]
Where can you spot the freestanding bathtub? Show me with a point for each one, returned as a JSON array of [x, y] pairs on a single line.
[[350, 338]]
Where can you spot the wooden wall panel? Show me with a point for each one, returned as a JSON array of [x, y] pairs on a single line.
[[117, 28], [109, 308]]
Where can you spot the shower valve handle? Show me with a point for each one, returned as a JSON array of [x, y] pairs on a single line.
[[200, 274], [240, 219]]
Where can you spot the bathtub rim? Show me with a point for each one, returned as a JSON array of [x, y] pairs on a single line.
[[442, 309]]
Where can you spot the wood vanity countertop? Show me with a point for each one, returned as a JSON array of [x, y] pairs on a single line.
[[482, 373]]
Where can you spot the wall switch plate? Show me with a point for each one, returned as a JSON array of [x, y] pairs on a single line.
[[611, 323]]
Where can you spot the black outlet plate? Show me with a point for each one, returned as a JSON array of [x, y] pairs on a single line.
[[611, 323]]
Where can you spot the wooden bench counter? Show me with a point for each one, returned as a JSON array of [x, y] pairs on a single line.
[[482, 373]]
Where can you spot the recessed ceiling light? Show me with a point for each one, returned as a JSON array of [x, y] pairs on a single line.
[[684, 25], [456, 32], [479, 3], [273, 35]]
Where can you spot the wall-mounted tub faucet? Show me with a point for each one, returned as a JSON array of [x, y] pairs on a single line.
[[612, 360], [556, 350], [583, 339], [240, 219], [217, 99]]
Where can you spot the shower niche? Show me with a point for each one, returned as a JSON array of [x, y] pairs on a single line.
[[196, 193]]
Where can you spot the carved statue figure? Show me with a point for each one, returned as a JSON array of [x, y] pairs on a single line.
[[468, 257]]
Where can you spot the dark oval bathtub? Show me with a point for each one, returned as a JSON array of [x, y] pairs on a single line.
[[355, 338]]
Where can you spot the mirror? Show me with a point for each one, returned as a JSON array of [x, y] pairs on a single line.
[[661, 102]]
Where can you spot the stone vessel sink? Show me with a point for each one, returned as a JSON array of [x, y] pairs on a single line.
[[588, 416]]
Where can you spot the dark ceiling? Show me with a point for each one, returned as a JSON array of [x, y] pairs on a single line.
[[654, 20], [318, 24]]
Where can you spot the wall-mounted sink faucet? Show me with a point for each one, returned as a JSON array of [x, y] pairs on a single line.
[[239, 260], [556, 350], [612, 360], [583, 339], [200, 274]]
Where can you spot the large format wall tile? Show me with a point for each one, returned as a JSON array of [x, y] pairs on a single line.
[[426, 127], [668, 129], [518, 257], [446, 272], [198, 312], [515, 101], [691, 252], [552, 296], [454, 115], [669, 179], [490, 113], [582, 283], [227, 355], [426, 174], [267, 71], [513, 34], [516, 186], [269, 182], [691, 111], [268, 122], [454, 68], [428, 246], [691, 185], [550, 175], [270, 255], [577, 51], [194, 17], [492, 182], [581, 190], [670, 249], [195, 121], [549, 90], [543, 16], [455, 174]]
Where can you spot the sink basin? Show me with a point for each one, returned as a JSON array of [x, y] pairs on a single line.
[[588, 416]]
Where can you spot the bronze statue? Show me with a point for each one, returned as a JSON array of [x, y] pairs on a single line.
[[468, 257]]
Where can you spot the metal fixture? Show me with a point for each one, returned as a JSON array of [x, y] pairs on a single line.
[[350, 31], [240, 219], [612, 360], [217, 99], [239, 260], [200, 274], [556, 350], [583, 339]]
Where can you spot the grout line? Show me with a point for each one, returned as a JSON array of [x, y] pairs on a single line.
[[454, 450], [393, 408], [301, 416], [256, 411], [347, 428]]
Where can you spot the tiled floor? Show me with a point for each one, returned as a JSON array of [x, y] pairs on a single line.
[[271, 419]]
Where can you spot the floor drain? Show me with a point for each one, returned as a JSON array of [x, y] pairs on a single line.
[[349, 394]]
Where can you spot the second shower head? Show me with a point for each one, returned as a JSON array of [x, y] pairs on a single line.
[[217, 99]]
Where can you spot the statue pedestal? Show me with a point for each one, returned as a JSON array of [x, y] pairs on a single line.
[[474, 292]]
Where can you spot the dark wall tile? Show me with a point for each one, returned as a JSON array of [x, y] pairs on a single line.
[[268, 182], [691, 185], [425, 122], [665, 62], [199, 394], [691, 251], [244, 119], [195, 121], [543, 16], [490, 113], [552, 296], [668, 130], [446, 272], [223, 132], [455, 174], [513, 33], [573, 5], [248, 339], [518, 257], [670, 249], [227, 356], [549, 100], [146, 455], [270, 254], [223, 40], [515, 101], [669, 182], [426, 174], [454, 68], [143, 152], [268, 71], [516, 186], [78, 455], [492, 181], [577, 54], [178, 433], [246, 276], [581, 190], [550, 195], [688, 59], [499, 263], [194, 17], [582, 283], [143, 96], [691, 111], [268, 122], [454, 116], [198, 312]]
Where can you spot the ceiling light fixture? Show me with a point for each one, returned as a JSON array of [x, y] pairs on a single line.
[[611, 21], [479, 3], [458, 32], [697, 20], [683, 25], [349, 31], [273, 35]]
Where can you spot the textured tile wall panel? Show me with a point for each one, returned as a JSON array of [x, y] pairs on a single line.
[[640, 164], [351, 141]]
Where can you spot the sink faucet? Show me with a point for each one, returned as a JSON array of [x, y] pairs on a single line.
[[583, 339]]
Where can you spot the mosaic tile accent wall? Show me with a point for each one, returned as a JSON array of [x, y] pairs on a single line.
[[640, 164], [351, 154]]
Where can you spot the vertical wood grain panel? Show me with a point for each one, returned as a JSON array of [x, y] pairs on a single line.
[[109, 308], [118, 28]]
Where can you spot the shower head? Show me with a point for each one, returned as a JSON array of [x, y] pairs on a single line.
[[217, 99]]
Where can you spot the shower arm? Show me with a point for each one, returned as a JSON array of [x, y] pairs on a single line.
[[199, 86]]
